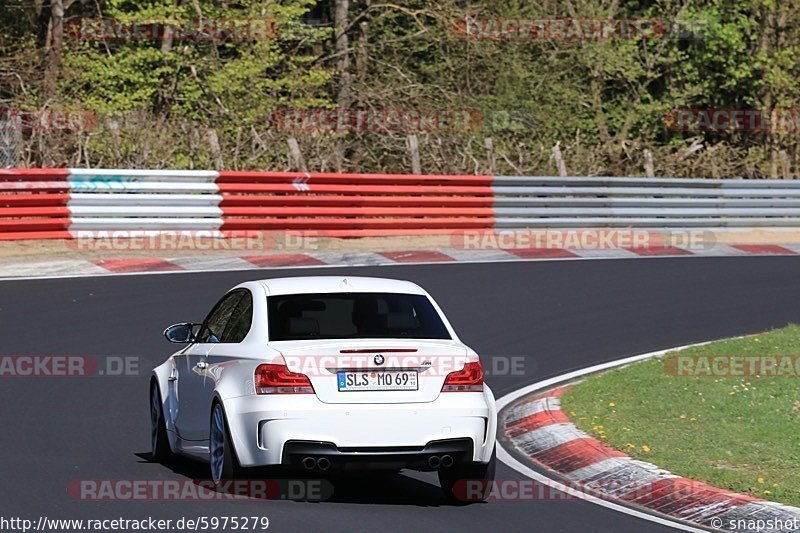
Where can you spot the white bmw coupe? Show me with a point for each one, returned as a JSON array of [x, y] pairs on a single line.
[[325, 373]]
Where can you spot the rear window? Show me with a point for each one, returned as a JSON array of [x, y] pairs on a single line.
[[353, 315]]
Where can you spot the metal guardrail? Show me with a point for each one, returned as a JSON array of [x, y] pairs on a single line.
[[546, 202], [55, 203]]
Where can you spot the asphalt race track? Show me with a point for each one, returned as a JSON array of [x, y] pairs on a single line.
[[559, 316]]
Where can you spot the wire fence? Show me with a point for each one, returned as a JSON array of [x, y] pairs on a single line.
[[10, 140]]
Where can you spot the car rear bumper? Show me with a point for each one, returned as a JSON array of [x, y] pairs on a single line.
[[276, 429], [322, 456]]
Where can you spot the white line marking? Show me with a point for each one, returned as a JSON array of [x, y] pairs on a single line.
[[548, 437], [548, 403]]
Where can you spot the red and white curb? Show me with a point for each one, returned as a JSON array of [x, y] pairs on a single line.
[[536, 431], [255, 260]]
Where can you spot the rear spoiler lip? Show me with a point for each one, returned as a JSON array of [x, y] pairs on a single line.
[[379, 350]]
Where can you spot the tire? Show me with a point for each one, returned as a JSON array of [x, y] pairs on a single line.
[[160, 451], [221, 456], [471, 472]]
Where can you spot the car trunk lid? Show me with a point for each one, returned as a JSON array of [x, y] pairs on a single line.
[[374, 370]]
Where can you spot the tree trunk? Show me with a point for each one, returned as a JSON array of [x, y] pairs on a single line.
[[342, 54], [357, 155], [768, 97], [343, 66], [56, 42], [362, 49]]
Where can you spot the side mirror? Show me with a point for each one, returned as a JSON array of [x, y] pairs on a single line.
[[180, 333]]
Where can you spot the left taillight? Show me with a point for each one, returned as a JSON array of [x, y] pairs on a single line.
[[468, 379], [277, 379]]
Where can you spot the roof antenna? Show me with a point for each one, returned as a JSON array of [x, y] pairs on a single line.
[[344, 283]]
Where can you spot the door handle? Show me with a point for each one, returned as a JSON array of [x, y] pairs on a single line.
[[201, 365], [173, 376]]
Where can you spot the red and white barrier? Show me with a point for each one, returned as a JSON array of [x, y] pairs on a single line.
[[59, 203]]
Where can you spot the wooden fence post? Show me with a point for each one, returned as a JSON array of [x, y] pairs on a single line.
[[296, 160], [413, 152], [559, 159]]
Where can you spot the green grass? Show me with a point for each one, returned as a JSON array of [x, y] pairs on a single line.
[[739, 433]]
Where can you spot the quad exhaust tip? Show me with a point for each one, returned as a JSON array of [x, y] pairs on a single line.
[[445, 461], [310, 463], [323, 463]]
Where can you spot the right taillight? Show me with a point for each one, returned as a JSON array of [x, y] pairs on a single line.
[[468, 379], [277, 379]]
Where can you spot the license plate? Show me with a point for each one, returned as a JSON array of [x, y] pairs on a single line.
[[377, 380]]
